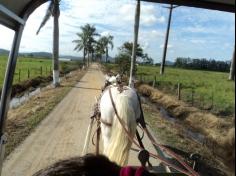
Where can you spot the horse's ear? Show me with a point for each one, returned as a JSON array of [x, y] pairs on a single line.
[[118, 76], [107, 77]]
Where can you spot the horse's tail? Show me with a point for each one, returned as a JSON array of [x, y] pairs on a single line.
[[119, 146]]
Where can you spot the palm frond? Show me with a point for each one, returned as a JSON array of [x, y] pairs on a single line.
[[46, 17]]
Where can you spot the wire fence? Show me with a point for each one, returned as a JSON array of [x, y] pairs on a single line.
[[190, 95], [24, 74]]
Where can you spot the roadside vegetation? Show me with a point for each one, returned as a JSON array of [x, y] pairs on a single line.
[[24, 119], [218, 133], [173, 136], [32, 73]]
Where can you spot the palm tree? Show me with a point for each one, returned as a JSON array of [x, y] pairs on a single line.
[[53, 10], [86, 40], [81, 45], [108, 42], [100, 48], [136, 31]]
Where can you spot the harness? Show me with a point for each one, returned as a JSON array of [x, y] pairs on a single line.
[[143, 154]]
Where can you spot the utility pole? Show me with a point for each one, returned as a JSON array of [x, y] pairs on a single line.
[[167, 38]]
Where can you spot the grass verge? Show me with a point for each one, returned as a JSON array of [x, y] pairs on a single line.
[[219, 132], [169, 134]]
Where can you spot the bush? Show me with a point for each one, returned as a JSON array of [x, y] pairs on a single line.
[[124, 62]]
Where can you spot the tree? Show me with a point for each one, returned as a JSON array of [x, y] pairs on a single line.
[[81, 45], [100, 47], [86, 41], [147, 60], [108, 42], [127, 48], [123, 59], [202, 64], [91, 33], [54, 10]]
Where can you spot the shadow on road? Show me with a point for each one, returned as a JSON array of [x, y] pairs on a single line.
[[79, 87]]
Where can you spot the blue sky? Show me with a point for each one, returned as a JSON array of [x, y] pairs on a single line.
[[195, 32]]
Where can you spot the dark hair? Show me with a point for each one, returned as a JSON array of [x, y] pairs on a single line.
[[89, 165]]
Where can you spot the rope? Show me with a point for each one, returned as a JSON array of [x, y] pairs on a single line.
[[192, 173], [94, 134], [164, 149], [174, 155]]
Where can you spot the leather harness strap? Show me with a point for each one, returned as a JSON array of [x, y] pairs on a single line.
[[105, 123], [121, 121]]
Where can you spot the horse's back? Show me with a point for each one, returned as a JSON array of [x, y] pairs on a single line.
[[126, 103]]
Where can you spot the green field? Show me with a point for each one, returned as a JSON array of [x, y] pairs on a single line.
[[30, 68], [211, 90]]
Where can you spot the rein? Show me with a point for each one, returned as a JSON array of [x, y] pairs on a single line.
[[189, 172]]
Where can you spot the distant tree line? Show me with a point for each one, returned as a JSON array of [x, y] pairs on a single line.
[[202, 64]]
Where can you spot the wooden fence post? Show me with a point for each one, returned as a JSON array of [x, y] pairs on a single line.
[[28, 73], [154, 82], [41, 71], [192, 97], [19, 75], [203, 102], [212, 100], [179, 91]]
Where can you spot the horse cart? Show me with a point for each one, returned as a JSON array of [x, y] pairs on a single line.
[[14, 15]]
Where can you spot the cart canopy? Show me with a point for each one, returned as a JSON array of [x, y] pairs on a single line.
[[13, 12]]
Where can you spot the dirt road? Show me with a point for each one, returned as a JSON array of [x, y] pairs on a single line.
[[62, 133]]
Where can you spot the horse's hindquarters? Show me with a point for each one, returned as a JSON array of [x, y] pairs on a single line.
[[116, 142]]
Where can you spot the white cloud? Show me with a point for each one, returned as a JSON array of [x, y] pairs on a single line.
[[169, 46], [6, 37], [105, 33], [157, 33], [198, 41], [162, 19], [145, 46], [148, 15]]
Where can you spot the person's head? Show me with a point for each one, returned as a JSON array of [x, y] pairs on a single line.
[[89, 165]]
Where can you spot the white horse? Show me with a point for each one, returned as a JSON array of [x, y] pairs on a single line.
[[116, 142]]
